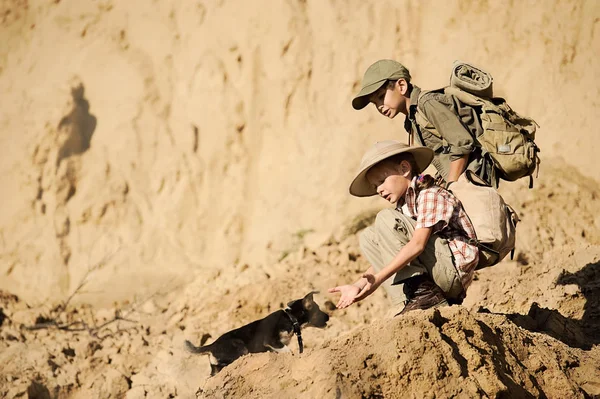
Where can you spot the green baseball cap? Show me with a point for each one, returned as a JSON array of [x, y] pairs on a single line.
[[375, 76]]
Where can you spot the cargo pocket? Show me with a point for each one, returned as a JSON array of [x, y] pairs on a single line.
[[400, 227]]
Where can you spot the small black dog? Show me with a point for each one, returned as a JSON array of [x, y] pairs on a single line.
[[273, 333]]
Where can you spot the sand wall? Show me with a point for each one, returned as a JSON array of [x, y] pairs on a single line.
[[150, 141]]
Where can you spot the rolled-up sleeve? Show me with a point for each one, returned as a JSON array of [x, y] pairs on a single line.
[[449, 126]]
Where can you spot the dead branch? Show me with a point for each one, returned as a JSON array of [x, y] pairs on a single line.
[[52, 322], [78, 325], [84, 280], [92, 328]]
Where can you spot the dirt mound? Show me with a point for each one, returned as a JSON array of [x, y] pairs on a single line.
[[436, 353], [558, 294]]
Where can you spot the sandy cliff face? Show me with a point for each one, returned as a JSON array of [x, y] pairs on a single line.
[[186, 156], [190, 135]]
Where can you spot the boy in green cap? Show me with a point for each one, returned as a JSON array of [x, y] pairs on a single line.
[[425, 243], [387, 84]]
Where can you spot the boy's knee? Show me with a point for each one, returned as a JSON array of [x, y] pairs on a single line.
[[367, 237], [390, 220], [386, 219]]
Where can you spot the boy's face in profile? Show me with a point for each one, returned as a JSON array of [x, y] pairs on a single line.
[[390, 179], [389, 99]]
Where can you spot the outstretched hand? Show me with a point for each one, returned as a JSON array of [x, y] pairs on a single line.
[[372, 284], [351, 293]]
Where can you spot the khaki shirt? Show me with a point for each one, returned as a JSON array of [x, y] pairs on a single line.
[[451, 119]]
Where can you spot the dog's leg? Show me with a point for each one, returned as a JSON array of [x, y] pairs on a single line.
[[284, 349], [226, 352]]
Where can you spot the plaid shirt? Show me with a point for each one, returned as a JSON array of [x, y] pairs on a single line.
[[439, 209]]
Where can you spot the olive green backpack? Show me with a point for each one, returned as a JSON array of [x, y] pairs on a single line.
[[507, 138]]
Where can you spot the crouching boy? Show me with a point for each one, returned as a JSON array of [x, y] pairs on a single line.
[[424, 242]]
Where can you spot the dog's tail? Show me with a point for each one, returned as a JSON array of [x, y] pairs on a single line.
[[196, 349]]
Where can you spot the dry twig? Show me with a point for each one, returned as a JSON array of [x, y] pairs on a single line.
[[43, 322]]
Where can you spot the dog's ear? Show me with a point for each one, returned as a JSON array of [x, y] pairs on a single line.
[[308, 301], [310, 295]]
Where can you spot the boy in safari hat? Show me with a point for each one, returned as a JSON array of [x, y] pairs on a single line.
[[425, 242], [387, 84]]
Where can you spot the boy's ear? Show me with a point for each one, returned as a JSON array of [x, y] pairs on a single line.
[[405, 168], [402, 85]]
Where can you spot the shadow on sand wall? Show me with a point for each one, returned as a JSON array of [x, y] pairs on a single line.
[[583, 333]]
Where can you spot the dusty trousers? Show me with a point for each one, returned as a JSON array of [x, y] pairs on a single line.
[[382, 241]]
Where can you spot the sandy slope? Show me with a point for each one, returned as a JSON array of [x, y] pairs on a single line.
[[194, 156]]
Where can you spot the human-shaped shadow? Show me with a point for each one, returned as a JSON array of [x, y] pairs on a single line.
[[582, 333], [79, 126]]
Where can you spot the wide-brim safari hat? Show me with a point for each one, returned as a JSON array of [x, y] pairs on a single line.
[[381, 150], [375, 76]]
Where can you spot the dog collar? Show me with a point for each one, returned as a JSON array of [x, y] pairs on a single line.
[[296, 326]]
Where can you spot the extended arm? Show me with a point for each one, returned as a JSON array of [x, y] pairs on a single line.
[[409, 252], [370, 281]]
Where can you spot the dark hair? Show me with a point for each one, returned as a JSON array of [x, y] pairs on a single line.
[[423, 181]]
